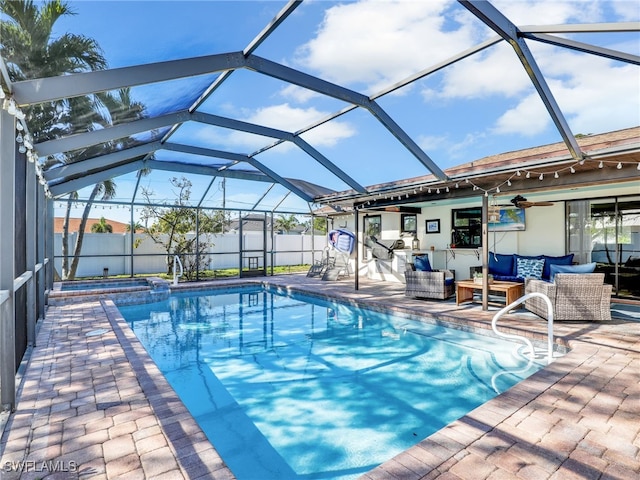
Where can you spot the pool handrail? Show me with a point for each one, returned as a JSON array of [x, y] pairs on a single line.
[[177, 262], [520, 337]]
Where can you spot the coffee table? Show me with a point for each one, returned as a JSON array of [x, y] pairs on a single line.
[[465, 289]]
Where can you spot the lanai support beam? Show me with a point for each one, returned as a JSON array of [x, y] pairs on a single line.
[[7, 263], [240, 158], [495, 20]]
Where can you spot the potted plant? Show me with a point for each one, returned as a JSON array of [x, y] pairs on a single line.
[[477, 278]]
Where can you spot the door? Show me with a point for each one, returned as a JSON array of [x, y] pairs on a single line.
[[253, 247]]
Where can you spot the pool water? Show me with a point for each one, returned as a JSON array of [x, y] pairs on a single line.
[[291, 387]]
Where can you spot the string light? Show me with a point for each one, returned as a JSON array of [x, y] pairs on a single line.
[[11, 108], [447, 188]]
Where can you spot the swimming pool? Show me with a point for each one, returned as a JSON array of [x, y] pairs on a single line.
[[290, 387]]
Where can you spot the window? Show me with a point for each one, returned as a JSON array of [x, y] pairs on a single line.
[[372, 225], [466, 227], [408, 223]]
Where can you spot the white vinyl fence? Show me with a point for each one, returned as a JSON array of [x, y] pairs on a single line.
[[112, 251]]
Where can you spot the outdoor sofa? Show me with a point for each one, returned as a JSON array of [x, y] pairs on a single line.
[[505, 267]]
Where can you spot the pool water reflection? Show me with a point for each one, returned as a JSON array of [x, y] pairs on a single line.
[[290, 387]]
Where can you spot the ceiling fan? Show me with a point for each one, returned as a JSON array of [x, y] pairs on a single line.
[[520, 202]]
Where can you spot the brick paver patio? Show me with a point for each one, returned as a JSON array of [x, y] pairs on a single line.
[[92, 405]]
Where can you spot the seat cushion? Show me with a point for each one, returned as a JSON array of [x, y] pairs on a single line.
[[583, 268], [500, 264], [530, 268], [550, 260], [508, 278], [422, 263]]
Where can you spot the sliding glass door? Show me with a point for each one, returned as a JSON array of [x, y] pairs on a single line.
[[607, 231]]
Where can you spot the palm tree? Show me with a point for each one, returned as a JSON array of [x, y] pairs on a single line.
[[286, 224], [120, 108], [30, 51], [101, 227]]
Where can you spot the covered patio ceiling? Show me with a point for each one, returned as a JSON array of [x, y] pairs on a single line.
[[189, 130]]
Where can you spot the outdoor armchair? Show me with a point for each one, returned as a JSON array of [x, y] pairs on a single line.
[[438, 284], [573, 296]]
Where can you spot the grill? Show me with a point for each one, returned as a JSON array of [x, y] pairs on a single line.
[[383, 249]]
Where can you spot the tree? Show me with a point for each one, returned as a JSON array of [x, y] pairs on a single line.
[[174, 228], [319, 225], [120, 108], [30, 51], [286, 224], [135, 227], [102, 227]]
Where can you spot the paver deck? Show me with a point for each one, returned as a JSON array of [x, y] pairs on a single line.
[[92, 405]]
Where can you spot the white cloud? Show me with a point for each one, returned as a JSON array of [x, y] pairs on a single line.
[[595, 95], [459, 148], [550, 12], [430, 143], [496, 72], [298, 94], [528, 118], [377, 43], [628, 10], [282, 117]]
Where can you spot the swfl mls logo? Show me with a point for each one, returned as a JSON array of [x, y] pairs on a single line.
[[48, 466]]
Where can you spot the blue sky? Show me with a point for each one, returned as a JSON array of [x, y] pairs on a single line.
[[483, 105]]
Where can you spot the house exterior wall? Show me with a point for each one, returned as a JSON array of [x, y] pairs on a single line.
[[544, 232]]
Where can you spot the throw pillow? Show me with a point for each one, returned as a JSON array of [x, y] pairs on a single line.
[[422, 263], [530, 268], [500, 264], [516, 256], [549, 260], [583, 268]]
